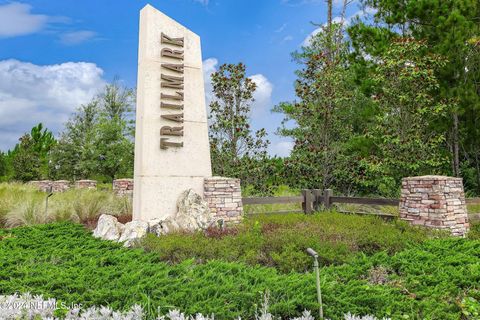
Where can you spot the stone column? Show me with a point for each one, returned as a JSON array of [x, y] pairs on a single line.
[[86, 184], [42, 185], [123, 187], [224, 198], [60, 185], [436, 202]]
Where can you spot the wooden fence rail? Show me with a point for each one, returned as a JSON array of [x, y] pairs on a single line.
[[316, 199], [473, 201], [272, 200]]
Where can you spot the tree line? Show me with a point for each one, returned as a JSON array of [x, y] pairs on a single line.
[[392, 94], [96, 143]]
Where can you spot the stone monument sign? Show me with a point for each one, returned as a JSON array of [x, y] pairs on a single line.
[[172, 151]]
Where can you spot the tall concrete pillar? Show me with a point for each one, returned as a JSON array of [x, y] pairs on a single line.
[[172, 151]]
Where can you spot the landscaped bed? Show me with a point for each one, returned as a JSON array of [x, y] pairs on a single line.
[[406, 275]]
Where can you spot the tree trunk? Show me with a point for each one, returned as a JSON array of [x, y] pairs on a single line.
[[455, 146], [477, 167], [329, 29], [330, 10]]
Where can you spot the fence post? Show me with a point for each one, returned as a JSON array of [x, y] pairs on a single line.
[[307, 201], [317, 198], [327, 194]]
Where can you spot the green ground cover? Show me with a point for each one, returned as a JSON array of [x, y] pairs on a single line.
[[280, 240], [430, 279]]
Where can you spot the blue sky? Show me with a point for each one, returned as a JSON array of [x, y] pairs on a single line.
[[55, 55]]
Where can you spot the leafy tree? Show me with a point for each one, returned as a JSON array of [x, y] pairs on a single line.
[[236, 151], [324, 117], [26, 160], [406, 139], [450, 28], [43, 142], [98, 140], [470, 130], [73, 157], [3, 165], [29, 158], [43, 139]]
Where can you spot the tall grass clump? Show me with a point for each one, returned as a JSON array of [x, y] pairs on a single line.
[[13, 195], [28, 213], [22, 204]]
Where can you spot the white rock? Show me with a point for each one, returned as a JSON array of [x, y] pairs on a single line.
[[134, 230], [108, 228], [193, 212], [161, 227]]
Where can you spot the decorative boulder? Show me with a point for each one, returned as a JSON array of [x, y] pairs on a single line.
[[108, 228], [134, 230], [161, 227], [193, 212]]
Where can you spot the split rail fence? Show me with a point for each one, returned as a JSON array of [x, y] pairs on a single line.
[[316, 200]]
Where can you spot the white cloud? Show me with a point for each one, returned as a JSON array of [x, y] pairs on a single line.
[[262, 95], [31, 93], [17, 20], [209, 67], [77, 37], [308, 39], [281, 148]]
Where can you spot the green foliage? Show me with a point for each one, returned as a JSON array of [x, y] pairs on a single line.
[[98, 140], [236, 151], [43, 140], [26, 160], [74, 156], [29, 158], [324, 117], [474, 231], [3, 165], [438, 279], [451, 30], [408, 111], [275, 240]]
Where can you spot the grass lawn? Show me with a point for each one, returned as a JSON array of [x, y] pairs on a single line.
[[424, 278]]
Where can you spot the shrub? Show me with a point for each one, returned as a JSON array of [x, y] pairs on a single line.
[[280, 240], [438, 279]]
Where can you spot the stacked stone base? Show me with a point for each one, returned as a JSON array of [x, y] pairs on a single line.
[[86, 184], [436, 202], [224, 198], [54, 186], [123, 187]]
